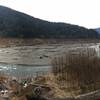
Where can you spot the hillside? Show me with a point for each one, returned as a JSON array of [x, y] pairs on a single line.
[[17, 24], [97, 30]]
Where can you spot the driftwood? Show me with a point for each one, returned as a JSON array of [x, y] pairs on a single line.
[[88, 96]]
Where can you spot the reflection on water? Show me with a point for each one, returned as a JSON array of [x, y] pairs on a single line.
[[23, 70]]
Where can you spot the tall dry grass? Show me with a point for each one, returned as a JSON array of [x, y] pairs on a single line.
[[80, 69]]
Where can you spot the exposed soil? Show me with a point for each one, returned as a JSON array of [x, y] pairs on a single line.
[[37, 54]]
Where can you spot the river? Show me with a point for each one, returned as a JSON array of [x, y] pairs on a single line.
[[23, 70]]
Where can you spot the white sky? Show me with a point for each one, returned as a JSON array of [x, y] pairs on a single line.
[[81, 12]]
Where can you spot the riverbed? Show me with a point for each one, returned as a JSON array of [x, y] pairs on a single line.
[[30, 60]]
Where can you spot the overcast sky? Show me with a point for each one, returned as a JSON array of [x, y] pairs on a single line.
[[81, 12]]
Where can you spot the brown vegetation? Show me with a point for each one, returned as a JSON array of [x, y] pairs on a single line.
[[79, 70], [9, 42]]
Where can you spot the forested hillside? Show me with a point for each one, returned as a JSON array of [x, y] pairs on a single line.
[[17, 24]]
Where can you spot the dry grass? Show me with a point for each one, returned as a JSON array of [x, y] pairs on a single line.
[[79, 71], [50, 81]]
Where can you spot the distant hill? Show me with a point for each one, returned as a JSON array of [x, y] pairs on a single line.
[[97, 30], [17, 24]]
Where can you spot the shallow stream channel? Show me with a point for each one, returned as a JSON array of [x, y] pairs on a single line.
[[23, 70]]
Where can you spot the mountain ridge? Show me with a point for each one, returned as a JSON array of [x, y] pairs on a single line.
[[17, 24]]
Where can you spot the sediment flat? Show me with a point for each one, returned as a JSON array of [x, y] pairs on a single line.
[[37, 54]]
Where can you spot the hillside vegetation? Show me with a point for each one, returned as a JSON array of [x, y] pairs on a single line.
[[17, 24]]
